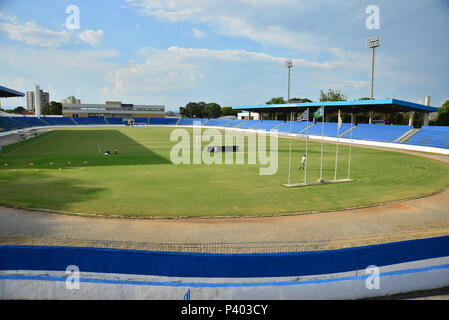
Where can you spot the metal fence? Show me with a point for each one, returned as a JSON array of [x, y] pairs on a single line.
[[228, 247]]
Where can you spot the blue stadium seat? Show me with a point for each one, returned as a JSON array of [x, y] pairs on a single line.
[[189, 121], [330, 129], [90, 121], [58, 121], [234, 123], [16, 123], [434, 136], [248, 124], [217, 122], [141, 121], [29, 121], [378, 132], [114, 120], [267, 125], [164, 121], [6, 124], [295, 126]]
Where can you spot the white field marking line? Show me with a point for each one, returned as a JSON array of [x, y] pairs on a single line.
[[26, 144]]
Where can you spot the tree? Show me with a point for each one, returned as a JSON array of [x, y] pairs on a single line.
[[228, 111], [212, 110], [443, 114], [398, 118], [193, 110], [183, 112], [332, 95], [19, 109], [277, 100], [53, 108], [300, 100]]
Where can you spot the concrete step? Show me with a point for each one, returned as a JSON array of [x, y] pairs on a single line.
[[305, 130], [240, 123], [347, 131], [407, 135]]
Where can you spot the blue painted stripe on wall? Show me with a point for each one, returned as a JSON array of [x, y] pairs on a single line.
[[220, 284], [180, 264]]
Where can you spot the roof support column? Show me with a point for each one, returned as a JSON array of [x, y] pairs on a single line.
[[370, 117], [427, 114], [37, 101], [426, 119], [410, 118]]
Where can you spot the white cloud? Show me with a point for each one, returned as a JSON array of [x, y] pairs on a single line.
[[47, 66], [31, 33], [181, 68], [199, 34], [91, 37], [245, 18], [12, 19]]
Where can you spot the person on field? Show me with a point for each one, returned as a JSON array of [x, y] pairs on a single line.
[[303, 162], [115, 151]]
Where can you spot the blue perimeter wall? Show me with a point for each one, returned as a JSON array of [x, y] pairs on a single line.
[[179, 264]]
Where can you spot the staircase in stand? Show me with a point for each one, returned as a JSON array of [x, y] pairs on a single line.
[[241, 123], [46, 123], [407, 135], [307, 128], [347, 131]]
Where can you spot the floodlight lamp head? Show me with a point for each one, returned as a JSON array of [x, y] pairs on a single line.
[[288, 63], [372, 42]]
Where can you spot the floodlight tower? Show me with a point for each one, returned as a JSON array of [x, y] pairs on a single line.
[[288, 64], [373, 43]]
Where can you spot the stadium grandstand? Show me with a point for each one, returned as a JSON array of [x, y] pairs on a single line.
[[428, 136], [8, 93]]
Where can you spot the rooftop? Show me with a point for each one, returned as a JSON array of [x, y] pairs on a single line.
[[8, 93], [379, 105]]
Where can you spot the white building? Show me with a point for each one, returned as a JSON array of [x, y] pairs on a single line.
[[113, 109], [32, 102], [71, 100]]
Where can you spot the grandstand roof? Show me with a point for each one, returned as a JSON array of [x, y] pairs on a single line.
[[8, 93], [379, 105]]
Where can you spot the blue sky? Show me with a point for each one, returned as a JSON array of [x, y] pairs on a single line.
[[231, 52]]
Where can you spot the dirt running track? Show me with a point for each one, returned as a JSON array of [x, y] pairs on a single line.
[[412, 219]]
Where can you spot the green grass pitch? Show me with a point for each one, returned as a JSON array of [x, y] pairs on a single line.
[[141, 180]]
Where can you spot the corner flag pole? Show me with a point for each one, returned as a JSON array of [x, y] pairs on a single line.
[[290, 152], [322, 143]]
